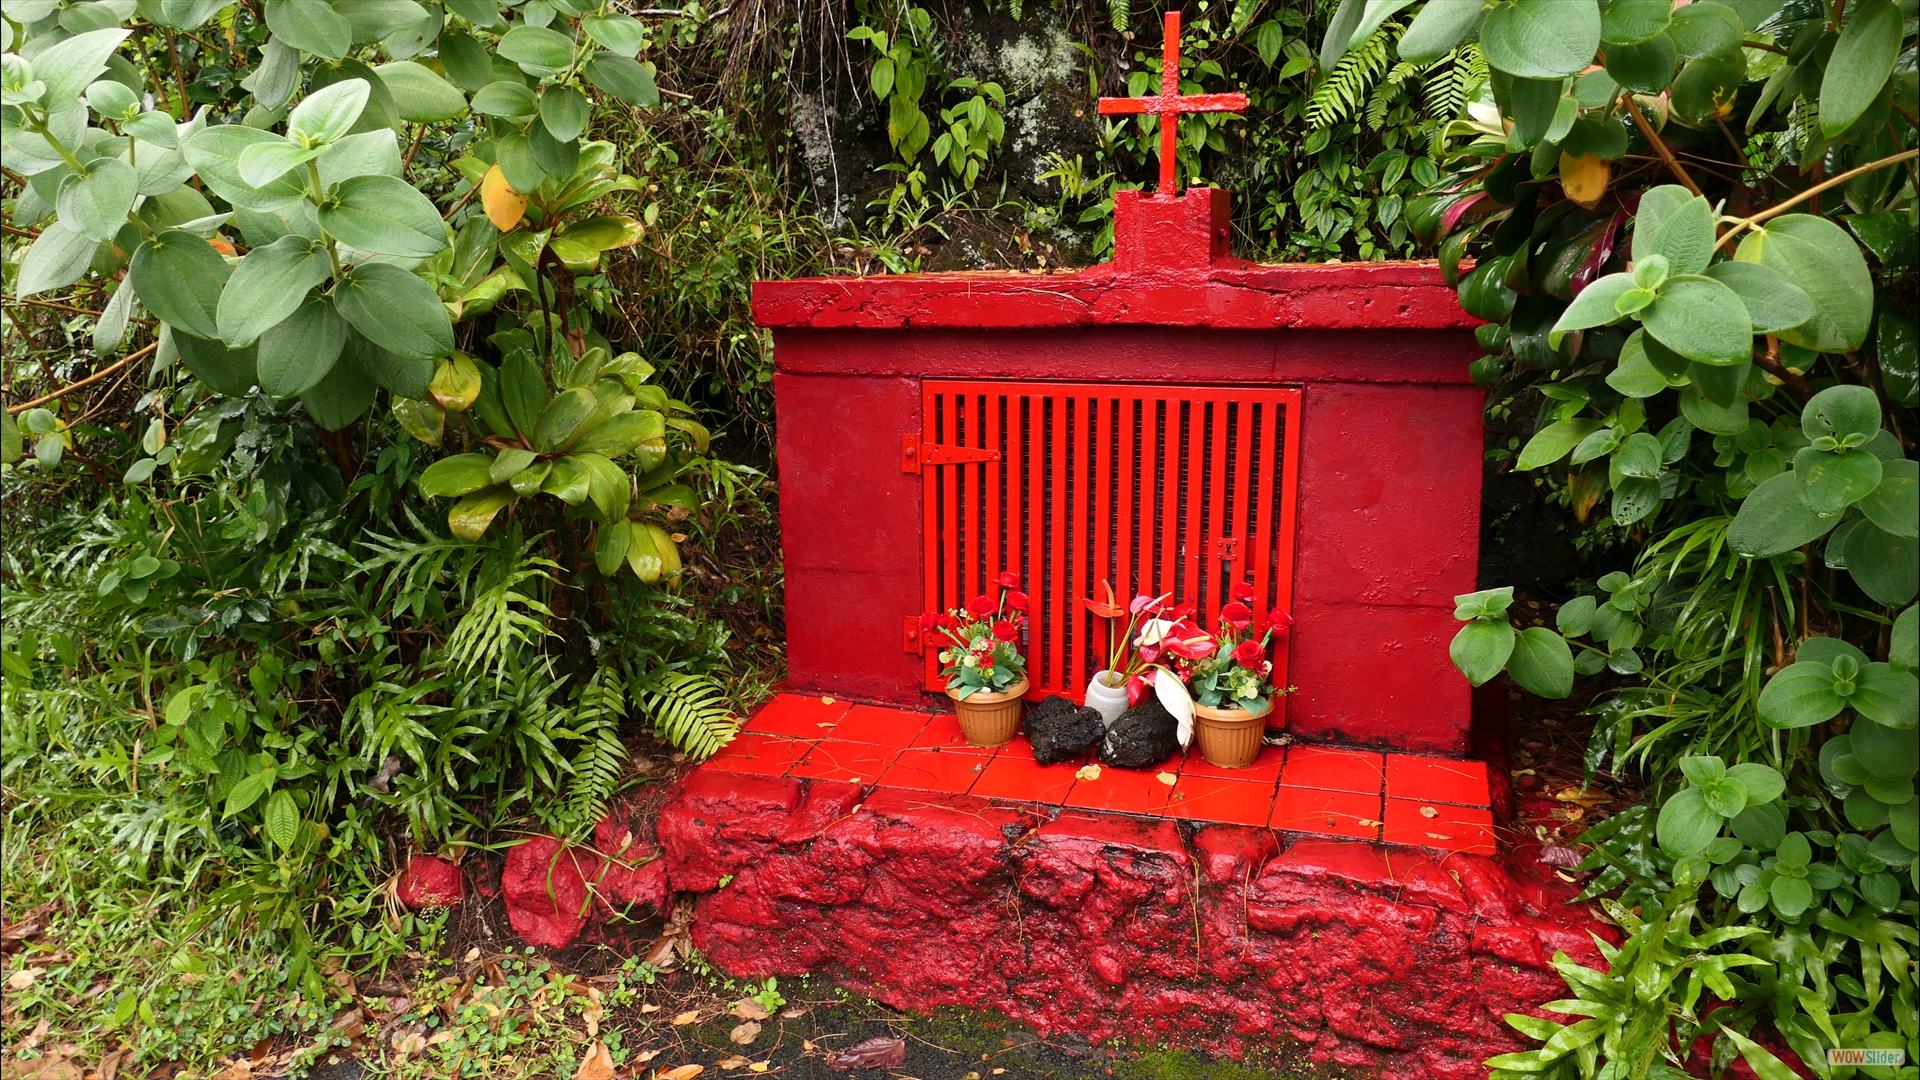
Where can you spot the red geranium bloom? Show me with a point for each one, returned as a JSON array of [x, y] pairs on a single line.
[[1242, 592], [1007, 580], [982, 606], [1250, 655], [1236, 615], [1005, 630], [1018, 601]]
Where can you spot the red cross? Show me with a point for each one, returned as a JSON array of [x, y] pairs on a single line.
[[1168, 104]]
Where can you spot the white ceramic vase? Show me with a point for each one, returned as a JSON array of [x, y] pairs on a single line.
[[1109, 701]]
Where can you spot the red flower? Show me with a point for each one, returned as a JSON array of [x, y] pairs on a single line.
[[982, 606], [930, 620], [1005, 630], [1236, 615], [1018, 601], [1149, 603], [1179, 611], [1280, 622], [1137, 687], [1189, 641], [1250, 655], [1242, 592], [1147, 653], [1007, 580]]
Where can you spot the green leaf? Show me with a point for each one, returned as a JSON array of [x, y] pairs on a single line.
[[1706, 28], [470, 516], [178, 276], [1486, 602], [1702, 320], [616, 32], [517, 163], [1762, 825], [215, 153], [248, 791], [1773, 520], [1542, 663], [1676, 225], [555, 158], [456, 475], [1593, 307], [384, 214], [232, 372], [372, 20], [1819, 257], [509, 98], [562, 418], [1634, 498], [1575, 617], [1645, 68], [1895, 504], [1541, 39], [605, 232], [1481, 648], [1800, 695], [1891, 699], [299, 351], [1882, 564], [1829, 483], [97, 204], [1763, 783], [610, 544], [1686, 824], [568, 481], [608, 485], [1897, 342], [419, 94], [310, 27], [564, 112], [282, 819], [404, 376], [395, 310], [628, 80], [68, 67], [1858, 69], [1706, 88], [1435, 30], [535, 46], [1791, 898], [1773, 303], [466, 60], [1554, 442], [267, 286], [328, 113], [339, 398], [58, 258], [1630, 22], [264, 162], [1725, 797], [1841, 411]]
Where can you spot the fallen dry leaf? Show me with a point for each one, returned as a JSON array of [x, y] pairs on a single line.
[[879, 1052], [685, 1018], [596, 1064], [1429, 812], [1369, 823], [45, 1068], [110, 1065], [645, 1056], [1584, 798], [649, 1007], [731, 1063], [795, 1012], [749, 1009], [1088, 772], [22, 978], [744, 1034], [439, 1037], [826, 701], [1167, 778], [760, 1066], [472, 955], [680, 1072], [1561, 856]]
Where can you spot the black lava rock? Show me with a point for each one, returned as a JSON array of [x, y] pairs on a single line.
[[1061, 731], [1141, 738]]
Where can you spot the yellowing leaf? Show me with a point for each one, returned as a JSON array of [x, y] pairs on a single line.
[[691, 1016], [504, 206], [1166, 778], [1088, 772], [1584, 178], [681, 1072]]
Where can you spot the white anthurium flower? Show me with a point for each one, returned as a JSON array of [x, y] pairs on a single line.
[[1174, 697], [1152, 632]]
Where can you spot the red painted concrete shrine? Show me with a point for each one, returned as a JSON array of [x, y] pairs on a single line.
[[1176, 420]]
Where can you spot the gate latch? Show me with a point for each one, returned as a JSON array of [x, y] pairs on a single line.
[[916, 455]]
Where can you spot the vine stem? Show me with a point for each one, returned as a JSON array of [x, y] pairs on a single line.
[[1832, 181], [15, 410], [1659, 145]]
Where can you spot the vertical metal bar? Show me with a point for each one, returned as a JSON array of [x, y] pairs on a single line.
[[993, 471], [1057, 571], [1103, 428], [955, 576], [1239, 524], [1124, 496], [1037, 536], [1016, 470], [1196, 494], [1215, 526], [1289, 517], [931, 527], [1268, 429], [1166, 559]]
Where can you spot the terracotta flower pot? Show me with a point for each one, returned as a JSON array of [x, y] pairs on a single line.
[[988, 719], [1228, 738]]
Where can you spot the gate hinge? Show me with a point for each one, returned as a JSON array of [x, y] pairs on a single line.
[[912, 639], [916, 455]]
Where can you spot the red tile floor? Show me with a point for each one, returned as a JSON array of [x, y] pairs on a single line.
[[1396, 798]]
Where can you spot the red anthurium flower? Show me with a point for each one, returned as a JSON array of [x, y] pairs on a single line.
[[1249, 655], [1236, 615], [1181, 611], [1019, 601], [982, 606], [1242, 592], [1149, 603], [1138, 686], [1189, 641], [1008, 580], [1147, 653], [1005, 630]]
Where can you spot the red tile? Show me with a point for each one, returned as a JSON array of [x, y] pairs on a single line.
[[943, 730], [1329, 813], [857, 763], [1237, 802], [797, 714], [1330, 769], [1439, 825], [760, 755], [1265, 768], [1437, 780], [877, 725], [1128, 791], [1015, 777], [933, 769]]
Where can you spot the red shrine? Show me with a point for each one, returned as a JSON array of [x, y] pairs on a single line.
[[1176, 420]]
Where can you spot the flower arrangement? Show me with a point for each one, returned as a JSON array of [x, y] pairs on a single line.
[[979, 642], [1232, 669], [1156, 628]]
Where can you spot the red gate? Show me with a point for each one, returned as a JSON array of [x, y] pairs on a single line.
[[1180, 489]]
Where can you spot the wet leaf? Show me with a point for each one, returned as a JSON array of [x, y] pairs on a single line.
[[749, 1009], [744, 1034], [879, 1052], [597, 1064], [691, 1016]]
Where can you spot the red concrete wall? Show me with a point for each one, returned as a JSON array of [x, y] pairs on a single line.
[[1389, 499]]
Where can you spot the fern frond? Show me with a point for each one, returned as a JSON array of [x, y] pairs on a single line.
[[689, 711], [598, 710], [504, 618], [1348, 84], [1120, 11]]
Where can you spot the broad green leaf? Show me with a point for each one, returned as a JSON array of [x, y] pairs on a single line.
[[618, 436], [1904, 650], [1676, 226], [365, 154], [1841, 411], [508, 98], [1639, 456], [1645, 68], [517, 162], [608, 485], [616, 32], [372, 20], [1800, 695], [1575, 617], [278, 75], [1485, 602], [1791, 897], [535, 46], [400, 375], [1542, 663], [233, 372], [605, 232], [1706, 28], [1773, 519], [509, 463], [383, 214], [248, 791], [1436, 29], [643, 555], [97, 204], [523, 390], [381, 110], [1687, 824], [1634, 497], [264, 162], [1890, 699], [310, 27], [1763, 783], [215, 153], [267, 286], [1762, 825], [1630, 22], [1593, 307], [1706, 88], [1702, 320], [395, 310], [328, 113], [1897, 342], [1829, 483], [1858, 69], [299, 351], [1819, 257], [626, 79], [282, 819], [456, 475], [1541, 39], [159, 171], [111, 328], [568, 481], [562, 418], [178, 276], [58, 258], [1725, 797], [466, 60], [1554, 442], [339, 398], [68, 67], [564, 112], [1772, 302], [1895, 504], [470, 516], [555, 158], [610, 544], [1481, 648], [419, 94], [1882, 564]]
